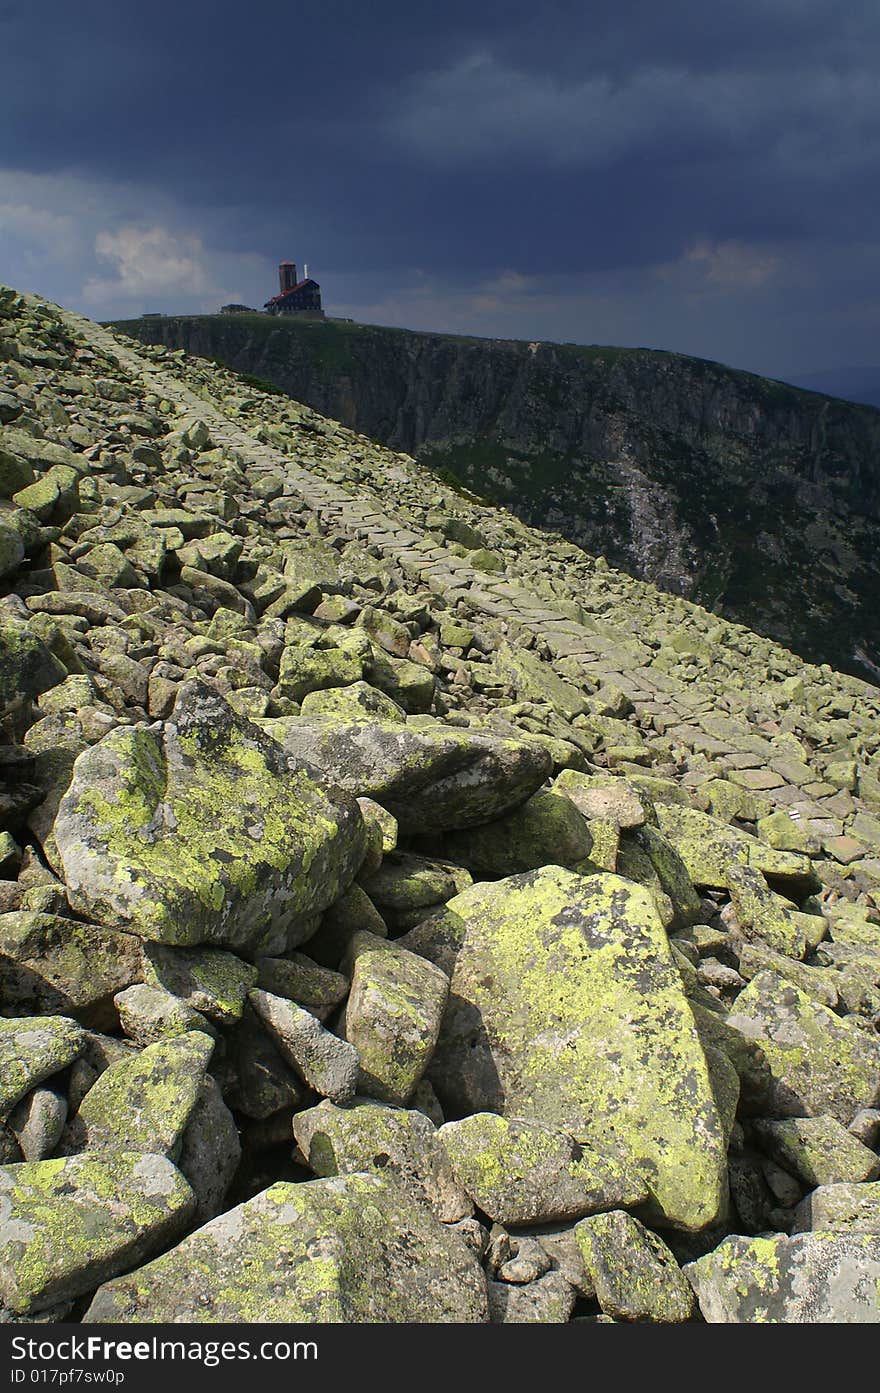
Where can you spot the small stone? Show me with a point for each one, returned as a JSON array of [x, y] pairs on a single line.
[[392, 1016], [548, 1300], [353, 913], [865, 1127], [598, 796], [323, 1061], [760, 913], [255, 1080], [148, 1014], [305, 670], [27, 667], [38, 1121], [636, 1277], [547, 828]]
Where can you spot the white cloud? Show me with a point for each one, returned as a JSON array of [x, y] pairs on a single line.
[[86, 244], [148, 261]]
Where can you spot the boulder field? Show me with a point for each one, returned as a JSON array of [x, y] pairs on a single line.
[[404, 917]]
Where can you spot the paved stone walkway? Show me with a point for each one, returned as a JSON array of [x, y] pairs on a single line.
[[595, 652]]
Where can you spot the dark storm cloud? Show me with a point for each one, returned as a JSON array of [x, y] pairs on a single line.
[[455, 142]]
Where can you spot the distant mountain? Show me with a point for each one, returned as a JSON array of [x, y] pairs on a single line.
[[860, 384], [756, 499]]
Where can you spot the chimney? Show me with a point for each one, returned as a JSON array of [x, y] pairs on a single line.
[[305, 270], [287, 275]]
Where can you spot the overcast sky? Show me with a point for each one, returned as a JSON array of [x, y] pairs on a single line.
[[668, 173]]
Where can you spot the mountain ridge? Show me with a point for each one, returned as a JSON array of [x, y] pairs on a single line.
[[757, 499]]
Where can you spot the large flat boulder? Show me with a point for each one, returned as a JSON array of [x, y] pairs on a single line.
[[430, 776], [68, 1225], [201, 830], [309, 1253], [808, 1279], [565, 1007], [709, 849]]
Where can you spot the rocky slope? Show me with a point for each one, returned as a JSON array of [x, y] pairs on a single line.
[[405, 916], [758, 500]]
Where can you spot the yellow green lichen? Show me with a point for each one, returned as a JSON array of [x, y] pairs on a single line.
[[583, 1012], [186, 842], [308, 1253], [74, 1222]]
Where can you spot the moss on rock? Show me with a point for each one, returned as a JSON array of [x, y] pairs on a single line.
[[309, 1253], [67, 1225], [565, 1007], [201, 830]]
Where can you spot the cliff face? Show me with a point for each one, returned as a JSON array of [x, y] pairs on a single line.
[[759, 500]]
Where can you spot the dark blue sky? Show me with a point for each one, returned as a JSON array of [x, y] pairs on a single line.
[[616, 171]]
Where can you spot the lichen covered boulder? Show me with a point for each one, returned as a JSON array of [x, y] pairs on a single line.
[[210, 1150], [565, 1007], [374, 1137], [545, 830], [709, 848], [32, 1048], [852, 1207], [309, 1253], [143, 1102], [67, 1225], [635, 1276], [818, 1150], [431, 777], [521, 1172], [53, 965], [819, 1062], [392, 1016], [201, 830], [808, 1279], [27, 667], [207, 979]]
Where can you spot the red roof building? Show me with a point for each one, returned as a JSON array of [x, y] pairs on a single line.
[[295, 297]]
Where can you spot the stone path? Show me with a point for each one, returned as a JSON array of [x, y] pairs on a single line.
[[594, 653]]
